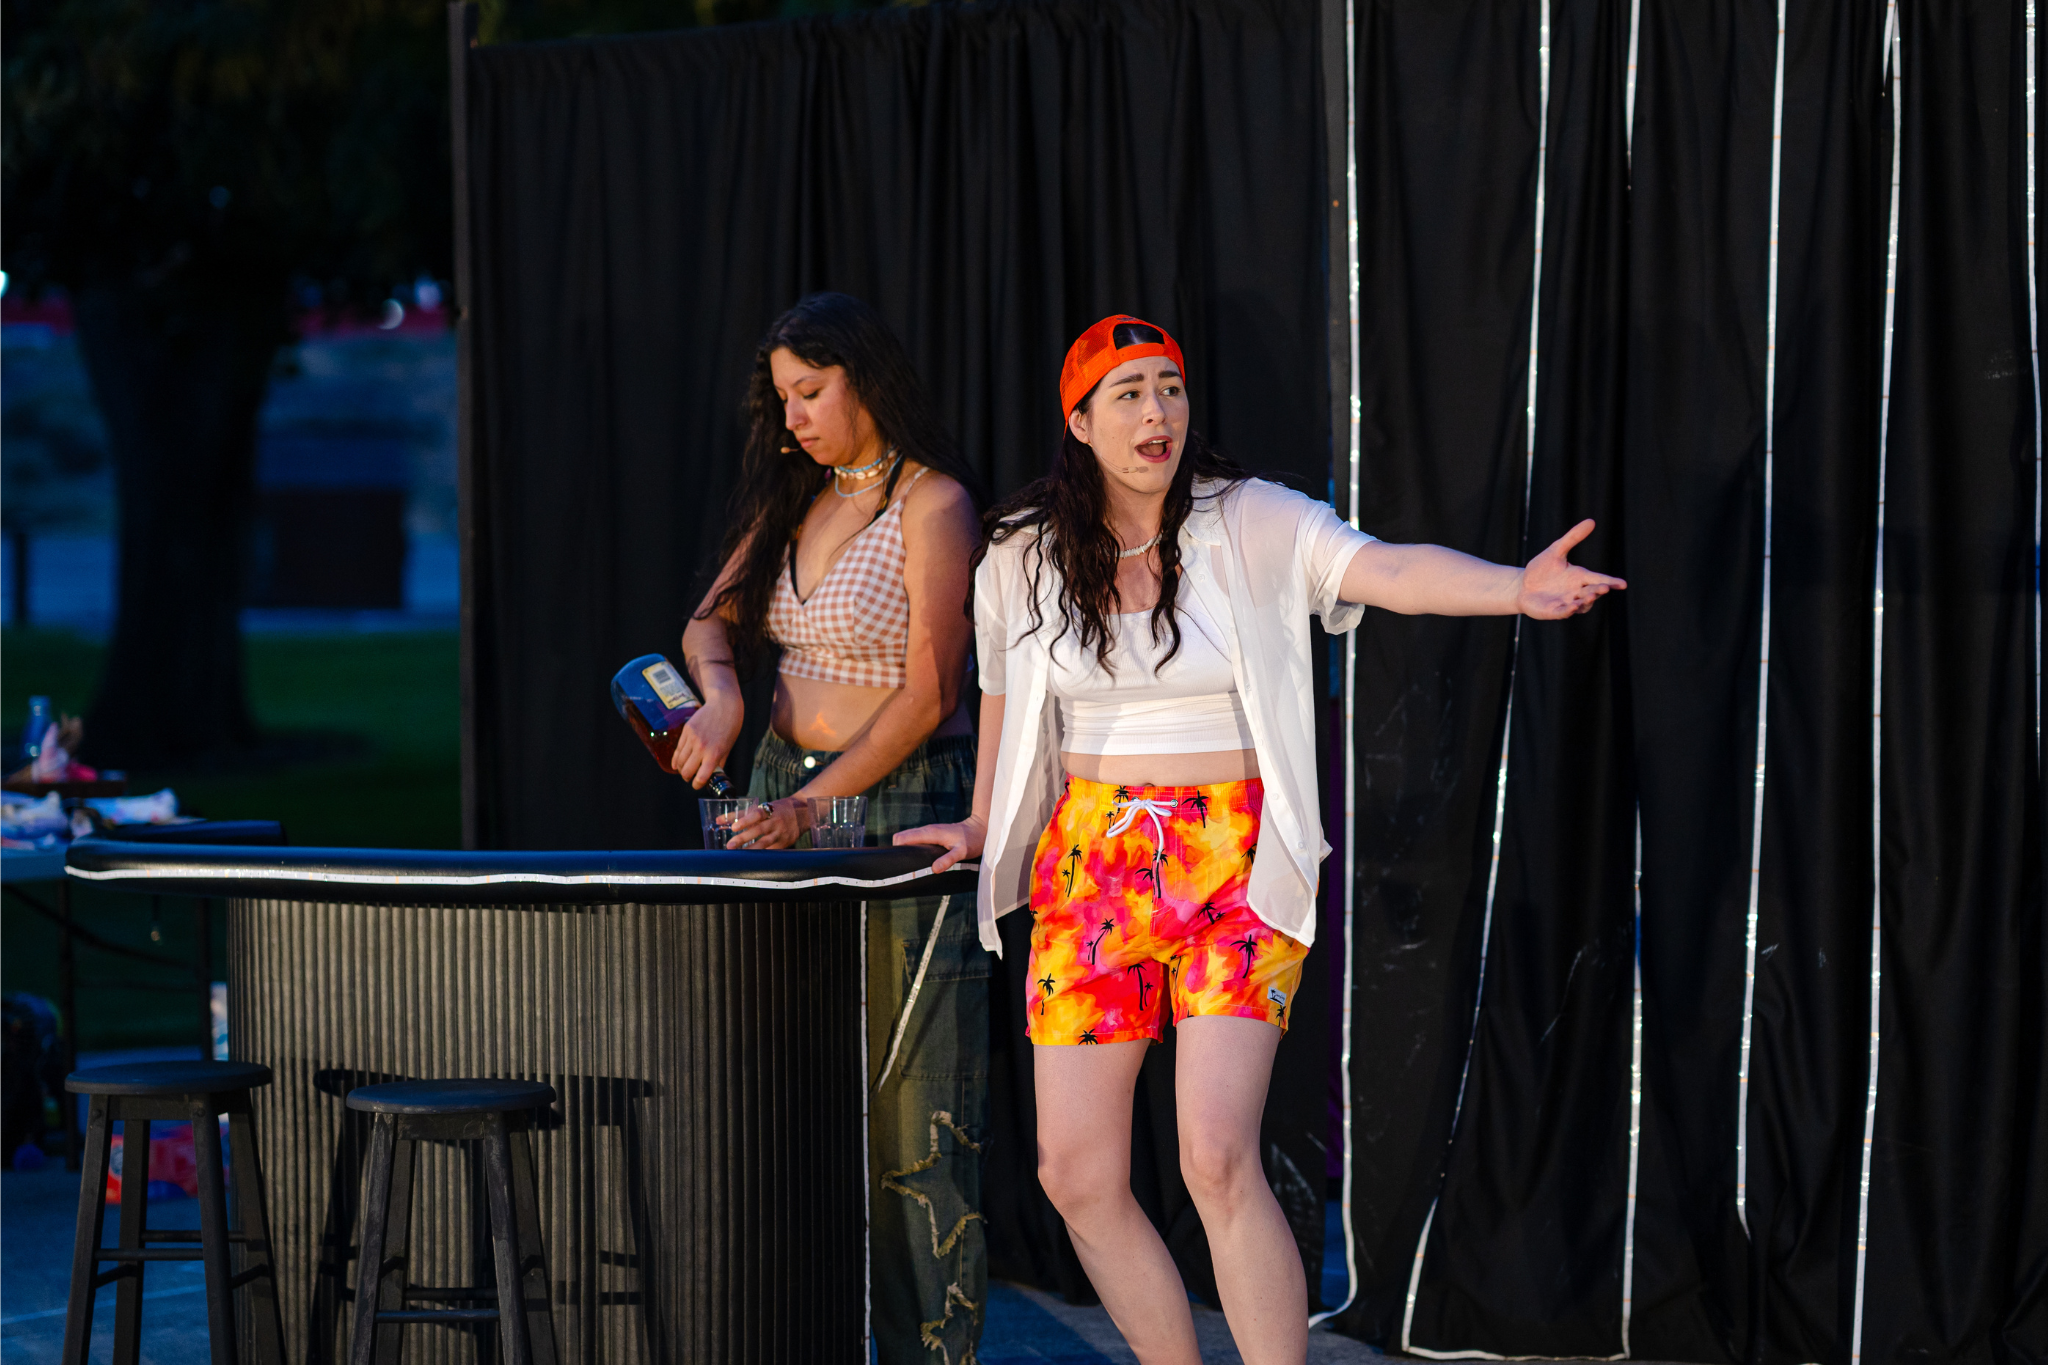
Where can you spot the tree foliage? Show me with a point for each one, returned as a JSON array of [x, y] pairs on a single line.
[[193, 174], [200, 149]]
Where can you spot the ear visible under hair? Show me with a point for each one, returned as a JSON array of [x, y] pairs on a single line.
[[1136, 334]]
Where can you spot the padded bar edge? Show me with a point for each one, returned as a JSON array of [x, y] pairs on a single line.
[[444, 877]]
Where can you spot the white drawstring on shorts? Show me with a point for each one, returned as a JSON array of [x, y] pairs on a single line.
[[1137, 805]]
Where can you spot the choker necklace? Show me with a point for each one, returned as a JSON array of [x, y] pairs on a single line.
[[865, 473], [863, 470], [1137, 550]]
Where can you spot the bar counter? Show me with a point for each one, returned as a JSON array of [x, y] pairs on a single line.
[[700, 1015]]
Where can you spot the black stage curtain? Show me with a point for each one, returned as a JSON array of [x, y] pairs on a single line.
[[1612, 1073], [993, 178], [1564, 1218]]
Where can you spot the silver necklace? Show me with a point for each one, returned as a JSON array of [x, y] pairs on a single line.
[[1137, 550]]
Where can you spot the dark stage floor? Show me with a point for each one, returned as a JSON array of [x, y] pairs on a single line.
[[1025, 1327]]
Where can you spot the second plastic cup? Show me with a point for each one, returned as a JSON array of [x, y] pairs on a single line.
[[839, 821]]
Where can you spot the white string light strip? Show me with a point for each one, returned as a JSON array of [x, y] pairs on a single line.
[[1635, 1106], [1348, 722], [1763, 665], [2034, 359], [1894, 47], [1635, 1063], [1500, 786], [867, 1194]]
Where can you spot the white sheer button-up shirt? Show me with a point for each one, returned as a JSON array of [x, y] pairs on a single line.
[[1264, 559]]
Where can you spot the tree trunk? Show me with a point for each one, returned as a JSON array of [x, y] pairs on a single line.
[[180, 388]]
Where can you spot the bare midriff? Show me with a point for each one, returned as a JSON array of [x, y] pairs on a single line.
[[1164, 770], [814, 714]]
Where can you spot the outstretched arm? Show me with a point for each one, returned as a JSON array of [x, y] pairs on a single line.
[[1420, 580]]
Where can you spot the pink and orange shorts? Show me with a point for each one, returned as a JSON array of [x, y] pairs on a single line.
[[1138, 899]]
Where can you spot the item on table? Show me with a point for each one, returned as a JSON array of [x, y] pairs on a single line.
[[158, 808], [48, 745], [717, 814], [839, 821], [32, 733], [42, 822], [656, 700], [28, 822], [52, 761]]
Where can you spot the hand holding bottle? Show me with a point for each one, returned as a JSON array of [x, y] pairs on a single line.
[[706, 739]]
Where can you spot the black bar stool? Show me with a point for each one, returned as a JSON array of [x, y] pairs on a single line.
[[198, 1092], [494, 1112]]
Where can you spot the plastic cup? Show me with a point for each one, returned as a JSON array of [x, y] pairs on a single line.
[[839, 821], [717, 814]]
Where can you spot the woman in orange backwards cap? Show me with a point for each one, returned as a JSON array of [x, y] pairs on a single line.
[[1147, 784]]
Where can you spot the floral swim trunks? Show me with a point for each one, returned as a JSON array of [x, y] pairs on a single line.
[[1138, 898]]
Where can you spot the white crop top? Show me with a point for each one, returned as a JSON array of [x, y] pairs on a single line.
[[1189, 706]]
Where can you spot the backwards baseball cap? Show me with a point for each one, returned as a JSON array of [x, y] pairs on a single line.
[[1106, 345]]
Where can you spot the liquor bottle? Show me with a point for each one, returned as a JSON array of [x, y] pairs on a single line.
[[656, 700], [39, 717]]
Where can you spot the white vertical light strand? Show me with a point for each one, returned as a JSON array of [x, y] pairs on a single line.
[[1763, 664], [1894, 46], [867, 1219], [1500, 796], [1347, 724], [2034, 361], [1635, 1063], [1635, 1107], [1628, 106]]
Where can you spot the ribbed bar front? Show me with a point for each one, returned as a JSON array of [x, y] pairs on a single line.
[[699, 1179]]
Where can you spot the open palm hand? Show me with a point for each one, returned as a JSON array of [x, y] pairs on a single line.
[[1553, 587]]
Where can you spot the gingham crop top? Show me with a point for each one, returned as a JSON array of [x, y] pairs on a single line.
[[855, 628]]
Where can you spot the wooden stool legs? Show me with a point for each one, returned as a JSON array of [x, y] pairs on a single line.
[[218, 1237], [383, 1294]]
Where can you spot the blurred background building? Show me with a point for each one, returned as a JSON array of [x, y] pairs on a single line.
[[354, 524]]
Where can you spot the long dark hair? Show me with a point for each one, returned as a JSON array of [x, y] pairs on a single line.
[[1068, 509], [778, 481]]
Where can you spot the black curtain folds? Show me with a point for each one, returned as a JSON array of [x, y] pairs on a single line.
[[993, 178], [1615, 1143], [1612, 1019]]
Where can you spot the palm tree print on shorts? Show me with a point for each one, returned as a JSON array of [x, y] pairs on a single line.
[[1200, 802], [1096, 942], [1249, 946], [1073, 862], [1144, 985], [1047, 983]]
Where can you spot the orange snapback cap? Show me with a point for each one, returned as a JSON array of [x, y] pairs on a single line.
[[1097, 351]]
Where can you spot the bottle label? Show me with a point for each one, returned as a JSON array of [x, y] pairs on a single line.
[[668, 685]]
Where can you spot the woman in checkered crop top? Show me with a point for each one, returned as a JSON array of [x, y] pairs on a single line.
[[848, 547]]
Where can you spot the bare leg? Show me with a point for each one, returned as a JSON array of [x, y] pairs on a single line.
[[1084, 1162], [1221, 1074]]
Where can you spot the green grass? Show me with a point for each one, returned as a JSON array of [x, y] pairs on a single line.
[[384, 707]]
